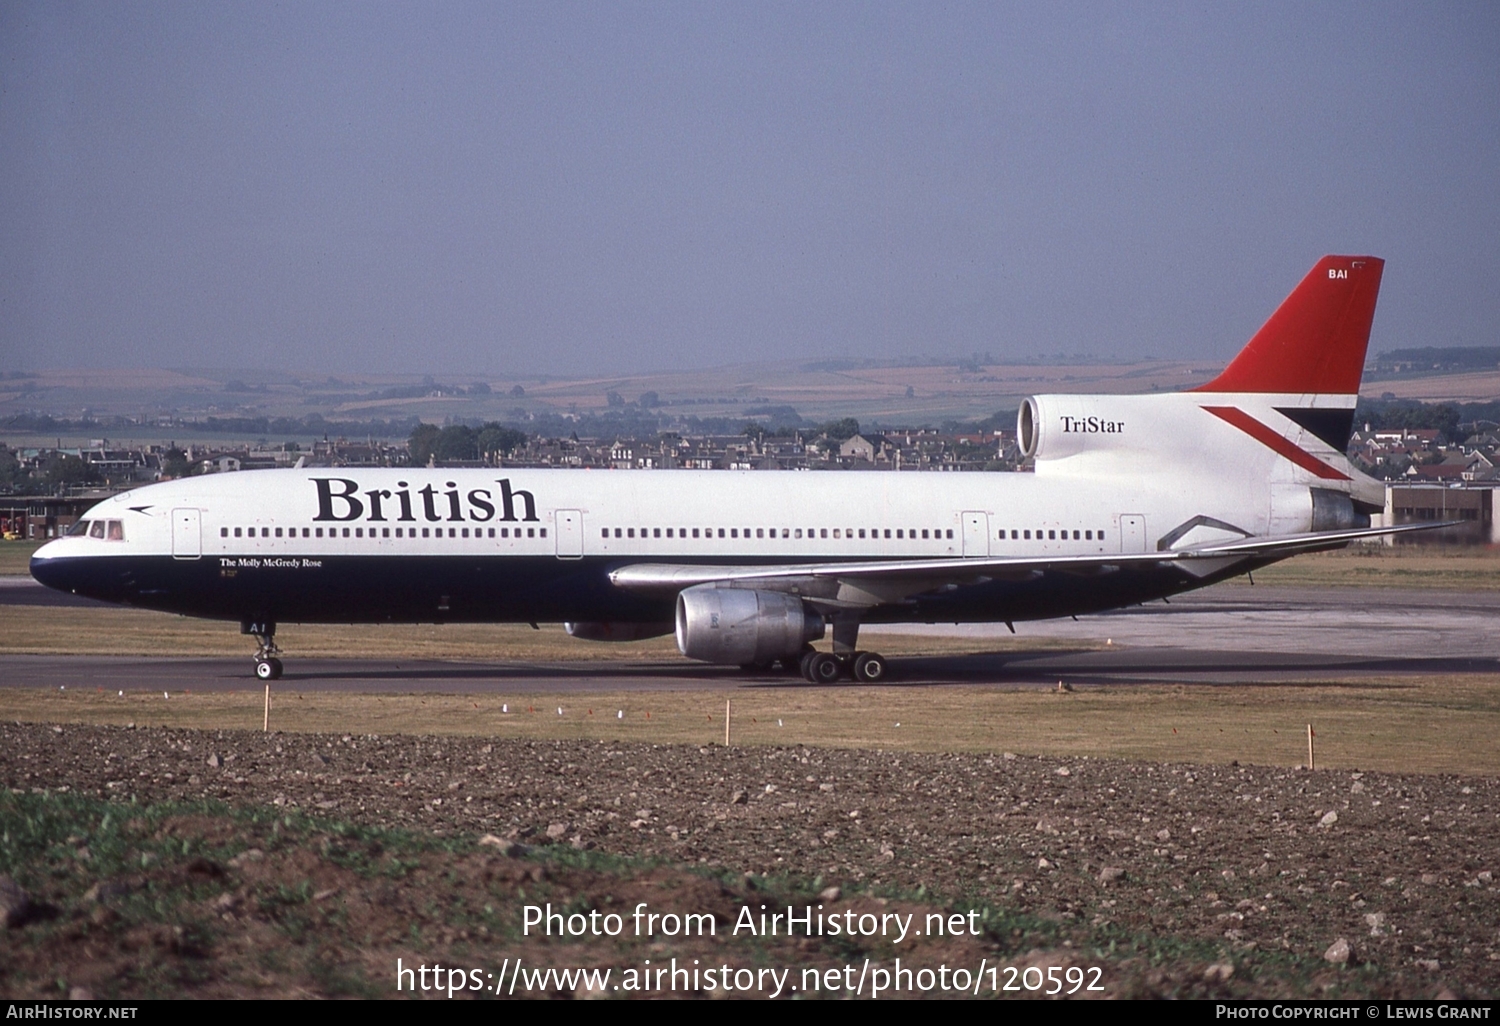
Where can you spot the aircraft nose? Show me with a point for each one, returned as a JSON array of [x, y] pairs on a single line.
[[47, 569]]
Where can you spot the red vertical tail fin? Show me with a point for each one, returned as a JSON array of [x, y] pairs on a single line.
[[1315, 341]]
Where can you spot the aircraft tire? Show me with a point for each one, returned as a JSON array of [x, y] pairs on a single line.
[[823, 668], [268, 669], [804, 665], [869, 667]]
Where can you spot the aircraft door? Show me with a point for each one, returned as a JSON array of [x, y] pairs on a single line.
[[1132, 532], [187, 534], [976, 534], [569, 534]]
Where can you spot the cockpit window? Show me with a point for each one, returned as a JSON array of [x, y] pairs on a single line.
[[79, 529], [116, 530], [96, 529]]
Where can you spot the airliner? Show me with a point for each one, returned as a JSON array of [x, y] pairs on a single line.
[[1130, 498]]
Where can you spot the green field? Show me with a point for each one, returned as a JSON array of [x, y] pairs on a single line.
[[15, 556], [1409, 726]]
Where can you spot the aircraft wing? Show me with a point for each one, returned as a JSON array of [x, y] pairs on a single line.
[[869, 582]]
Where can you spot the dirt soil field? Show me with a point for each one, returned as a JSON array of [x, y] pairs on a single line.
[[210, 863]]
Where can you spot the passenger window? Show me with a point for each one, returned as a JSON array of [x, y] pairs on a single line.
[[798, 532], [631, 532], [238, 532], [823, 533], [1101, 535], [1052, 534], [899, 533], [492, 531], [223, 532], [1088, 535], [861, 532], [452, 532], [887, 532], [656, 532], [424, 532], [1028, 536], [505, 532], [1075, 535], [695, 532], [760, 532], [604, 533], [318, 532], [346, 532], [465, 532], [669, 532], [305, 532], [836, 532], [924, 534], [1013, 533], [721, 532]]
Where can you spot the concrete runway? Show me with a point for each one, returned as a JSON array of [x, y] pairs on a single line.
[[1229, 634]]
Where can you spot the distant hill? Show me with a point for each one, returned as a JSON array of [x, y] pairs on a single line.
[[1429, 360]]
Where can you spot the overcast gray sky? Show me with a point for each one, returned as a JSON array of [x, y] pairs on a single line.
[[519, 188]]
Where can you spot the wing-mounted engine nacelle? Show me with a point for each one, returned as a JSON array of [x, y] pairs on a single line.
[[608, 630], [741, 627]]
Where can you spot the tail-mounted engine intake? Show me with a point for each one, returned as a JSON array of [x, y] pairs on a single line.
[[739, 626], [1050, 427]]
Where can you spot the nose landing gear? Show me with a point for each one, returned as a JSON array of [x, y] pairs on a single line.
[[267, 666]]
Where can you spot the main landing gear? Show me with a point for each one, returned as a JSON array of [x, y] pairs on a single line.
[[843, 662], [267, 666], [826, 667]]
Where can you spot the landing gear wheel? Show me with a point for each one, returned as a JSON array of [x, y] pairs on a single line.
[[822, 668], [804, 664], [267, 666], [869, 667]]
